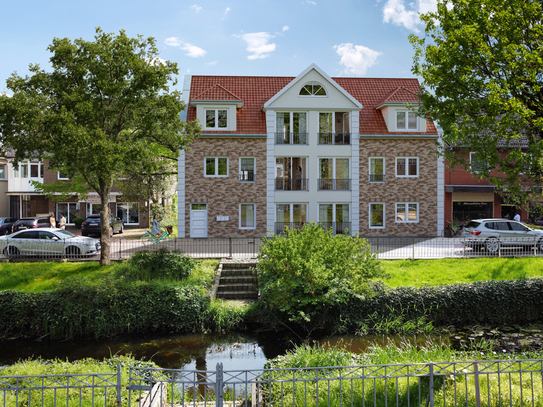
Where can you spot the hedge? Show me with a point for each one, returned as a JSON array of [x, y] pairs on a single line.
[[509, 302], [107, 309]]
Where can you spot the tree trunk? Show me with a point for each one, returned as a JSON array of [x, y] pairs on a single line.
[[105, 240]]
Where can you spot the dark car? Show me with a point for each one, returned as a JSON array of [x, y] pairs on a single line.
[[91, 226], [6, 225], [30, 223]]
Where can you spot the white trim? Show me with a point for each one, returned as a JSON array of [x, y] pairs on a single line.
[[216, 127], [181, 222], [407, 112], [406, 214], [217, 167], [63, 179], [5, 177], [406, 167], [254, 216], [355, 172], [384, 169], [254, 168], [384, 215], [313, 96]]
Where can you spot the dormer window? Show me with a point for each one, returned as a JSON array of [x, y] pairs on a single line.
[[406, 120], [216, 118], [312, 89]]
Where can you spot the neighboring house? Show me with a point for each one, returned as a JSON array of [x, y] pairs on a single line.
[[278, 152], [4, 198], [25, 201]]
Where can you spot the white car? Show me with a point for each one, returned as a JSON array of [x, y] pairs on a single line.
[[48, 242]]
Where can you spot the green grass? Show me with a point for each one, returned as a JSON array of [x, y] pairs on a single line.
[[449, 271]]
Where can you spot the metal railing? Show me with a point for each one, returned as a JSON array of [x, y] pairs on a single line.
[[334, 184], [337, 138], [377, 178], [338, 228], [247, 177], [289, 184], [291, 138]]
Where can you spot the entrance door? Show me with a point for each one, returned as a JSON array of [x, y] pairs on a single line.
[[198, 220]]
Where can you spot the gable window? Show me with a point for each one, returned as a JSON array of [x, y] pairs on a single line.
[[477, 166], [377, 215], [291, 128], [247, 216], [216, 119], [216, 167], [407, 166], [406, 120], [407, 212], [312, 89], [247, 169], [377, 169]]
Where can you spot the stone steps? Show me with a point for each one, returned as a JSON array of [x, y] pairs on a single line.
[[237, 281]]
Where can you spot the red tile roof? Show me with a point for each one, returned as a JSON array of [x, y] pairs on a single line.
[[400, 94], [255, 91]]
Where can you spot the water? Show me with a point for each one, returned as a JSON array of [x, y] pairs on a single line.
[[196, 351]]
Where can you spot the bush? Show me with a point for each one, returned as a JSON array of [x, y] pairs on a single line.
[[303, 274], [78, 221], [159, 265]]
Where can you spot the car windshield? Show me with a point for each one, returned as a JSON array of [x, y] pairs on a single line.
[[64, 234]]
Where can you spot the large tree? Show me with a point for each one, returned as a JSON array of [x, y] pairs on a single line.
[[482, 67], [104, 110]]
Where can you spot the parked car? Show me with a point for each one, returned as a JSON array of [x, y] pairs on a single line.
[[6, 224], [30, 223], [491, 234], [91, 225], [48, 242]]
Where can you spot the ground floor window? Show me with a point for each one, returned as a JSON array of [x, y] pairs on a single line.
[[93, 209], [407, 212], [128, 212], [68, 209], [377, 215], [247, 216], [335, 217], [290, 215], [19, 206], [463, 212]]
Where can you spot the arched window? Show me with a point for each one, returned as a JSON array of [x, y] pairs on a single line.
[[312, 89]]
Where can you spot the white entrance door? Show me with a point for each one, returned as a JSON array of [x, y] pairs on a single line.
[[198, 220]]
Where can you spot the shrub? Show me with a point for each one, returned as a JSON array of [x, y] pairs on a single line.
[[303, 274], [159, 265], [78, 221]]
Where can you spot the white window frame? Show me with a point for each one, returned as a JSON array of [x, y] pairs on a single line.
[[254, 168], [5, 167], [384, 168], [406, 219], [216, 127], [370, 215], [217, 167], [334, 208], [291, 210], [254, 216], [127, 206], [69, 220], [481, 164], [61, 178], [313, 83], [406, 167], [406, 128]]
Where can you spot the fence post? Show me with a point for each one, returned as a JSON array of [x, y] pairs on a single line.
[[219, 394], [430, 401], [120, 247], [119, 387], [477, 390], [230, 246]]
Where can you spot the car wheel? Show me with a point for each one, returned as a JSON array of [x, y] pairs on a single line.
[[539, 245], [11, 252], [492, 245], [72, 251]]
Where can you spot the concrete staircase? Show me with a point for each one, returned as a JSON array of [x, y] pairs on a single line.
[[236, 281]]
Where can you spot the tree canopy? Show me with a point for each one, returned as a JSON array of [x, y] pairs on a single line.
[[482, 67], [104, 110]]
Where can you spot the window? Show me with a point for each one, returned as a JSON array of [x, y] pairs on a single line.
[[216, 119], [477, 166], [29, 170], [24, 170], [216, 167], [377, 215], [128, 212], [406, 121], [3, 171], [377, 169], [247, 216], [93, 209], [335, 217], [334, 174], [407, 166], [407, 212], [291, 127], [290, 215], [69, 210], [62, 176], [291, 174], [247, 169], [312, 89]]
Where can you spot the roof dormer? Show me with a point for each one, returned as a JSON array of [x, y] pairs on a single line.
[[216, 109], [399, 111]]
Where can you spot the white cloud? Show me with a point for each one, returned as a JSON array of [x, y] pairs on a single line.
[[285, 28], [195, 8], [227, 10], [212, 63], [356, 58], [192, 50], [257, 44], [156, 61], [309, 2], [395, 12]]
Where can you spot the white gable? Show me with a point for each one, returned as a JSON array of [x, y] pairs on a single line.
[[336, 97]]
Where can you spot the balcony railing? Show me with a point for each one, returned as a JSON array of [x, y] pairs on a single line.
[[247, 177], [334, 184], [338, 138], [338, 228], [288, 184], [377, 178], [291, 138]]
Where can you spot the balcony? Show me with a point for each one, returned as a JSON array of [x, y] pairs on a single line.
[[291, 138], [288, 184], [280, 227], [377, 178], [334, 184], [337, 139], [247, 177], [338, 228]]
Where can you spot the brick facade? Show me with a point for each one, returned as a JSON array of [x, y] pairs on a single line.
[[224, 194]]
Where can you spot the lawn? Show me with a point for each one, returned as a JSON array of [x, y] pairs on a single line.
[[416, 273]]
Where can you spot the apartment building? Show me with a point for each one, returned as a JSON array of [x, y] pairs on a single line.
[[278, 152]]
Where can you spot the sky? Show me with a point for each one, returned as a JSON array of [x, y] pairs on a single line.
[[367, 38]]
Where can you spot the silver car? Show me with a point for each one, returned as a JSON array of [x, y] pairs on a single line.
[[491, 234], [48, 242]]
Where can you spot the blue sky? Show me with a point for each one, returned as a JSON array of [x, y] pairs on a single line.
[[228, 37]]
